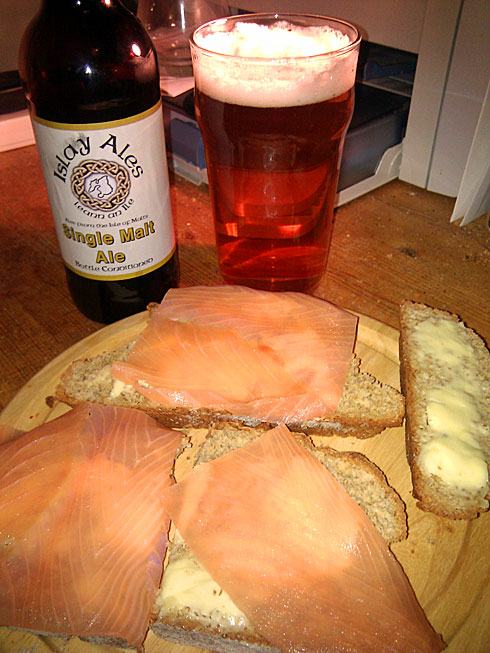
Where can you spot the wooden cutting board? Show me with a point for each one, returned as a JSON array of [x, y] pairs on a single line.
[[447, 562]]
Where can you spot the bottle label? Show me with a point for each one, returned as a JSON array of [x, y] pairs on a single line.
[[109, 192]]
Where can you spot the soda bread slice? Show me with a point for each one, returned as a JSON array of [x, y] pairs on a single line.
[[365, 409], [445, 376], [359, 477], [192, 609]]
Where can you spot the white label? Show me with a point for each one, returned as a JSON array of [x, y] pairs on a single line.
[[109, 192]]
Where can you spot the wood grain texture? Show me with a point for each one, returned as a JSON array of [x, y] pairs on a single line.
[[392, 244], [446, 562]]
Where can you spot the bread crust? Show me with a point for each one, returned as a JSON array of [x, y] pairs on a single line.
[[81, 382], [192, 632], [103, 640], [432, 493]]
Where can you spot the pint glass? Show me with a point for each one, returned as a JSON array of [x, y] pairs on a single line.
[[274, 96]]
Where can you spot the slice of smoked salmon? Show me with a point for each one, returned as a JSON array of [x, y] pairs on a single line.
[[295, 553], [273, 356], [82, 526]]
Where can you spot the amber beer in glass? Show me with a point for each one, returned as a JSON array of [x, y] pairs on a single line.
[[274, 96]]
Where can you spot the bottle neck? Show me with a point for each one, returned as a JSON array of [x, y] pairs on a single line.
[[77, 61]]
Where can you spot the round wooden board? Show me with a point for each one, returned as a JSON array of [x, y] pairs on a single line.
[[446, 561]]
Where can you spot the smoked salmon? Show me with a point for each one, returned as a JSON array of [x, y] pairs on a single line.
[[82, 525], [272, 356], [295, 553]]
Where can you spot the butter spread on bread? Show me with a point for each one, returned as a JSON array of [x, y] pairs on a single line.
[[445, 374], [454, 453], [297, 555], [192, 608]]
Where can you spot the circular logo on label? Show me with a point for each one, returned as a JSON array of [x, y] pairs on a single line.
[[100, 185]]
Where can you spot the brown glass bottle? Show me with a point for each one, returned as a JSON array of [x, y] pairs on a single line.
[[83, 63]]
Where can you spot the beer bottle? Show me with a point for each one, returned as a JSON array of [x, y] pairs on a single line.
[[90, 75]]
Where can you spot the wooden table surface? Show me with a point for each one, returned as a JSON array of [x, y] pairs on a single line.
[[394, 243]]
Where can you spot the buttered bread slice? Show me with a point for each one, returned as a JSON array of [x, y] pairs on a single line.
[[366, 407], [191, 608], [221, 353], [445, 376]]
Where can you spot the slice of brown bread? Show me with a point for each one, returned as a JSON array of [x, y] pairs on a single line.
[[192, 609], [366, 407], [359, 477], [445, 376]]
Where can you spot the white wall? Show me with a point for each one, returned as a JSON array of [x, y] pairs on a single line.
[[14, 17], [465, 90], [451, 79], [394, 23]]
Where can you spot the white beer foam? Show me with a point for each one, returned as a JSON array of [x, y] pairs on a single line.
[[278, 40], [270, 68]]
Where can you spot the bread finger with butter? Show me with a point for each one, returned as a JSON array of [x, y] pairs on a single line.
[[445, 376]]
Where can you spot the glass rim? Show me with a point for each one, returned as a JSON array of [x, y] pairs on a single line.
[[278, 16]]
